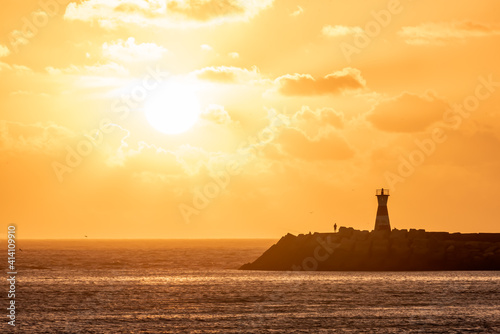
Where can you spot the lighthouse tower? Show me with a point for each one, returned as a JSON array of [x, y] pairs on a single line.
[[382, 221]]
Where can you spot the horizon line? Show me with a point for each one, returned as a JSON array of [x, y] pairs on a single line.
[[223, 238]]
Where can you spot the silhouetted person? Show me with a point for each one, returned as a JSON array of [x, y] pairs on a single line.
[[335, 227]]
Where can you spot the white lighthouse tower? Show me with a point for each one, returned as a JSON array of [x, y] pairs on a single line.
[[382, 221]]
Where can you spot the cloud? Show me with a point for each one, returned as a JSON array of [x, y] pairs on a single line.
[[205, 10], [164, 13], [407, 113], [108, 69], [4, 66], [446, 32], [24, 93], [316, 123], [297, 12], [17, 69], [328, 147], [336, 31], [206, 47], [45, 138], [128, 51], [234, 55], [216, 114], [111, 13], [334, 83], [150, 158], [227, 74], [321, 117], [4, 51]]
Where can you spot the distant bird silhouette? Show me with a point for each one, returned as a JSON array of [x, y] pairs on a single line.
[[86, 237], [20, 249], [311, 211]]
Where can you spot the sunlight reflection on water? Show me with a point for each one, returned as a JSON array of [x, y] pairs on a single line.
[[90, 296]]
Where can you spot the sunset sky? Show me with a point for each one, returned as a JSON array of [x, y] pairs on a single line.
[[244, 119]]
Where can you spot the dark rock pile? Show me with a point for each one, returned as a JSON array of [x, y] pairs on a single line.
[[396, 250]]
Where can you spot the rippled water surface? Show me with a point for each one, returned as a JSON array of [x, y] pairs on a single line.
[[189, 286]]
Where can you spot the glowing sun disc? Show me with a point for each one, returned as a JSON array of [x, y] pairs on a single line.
[[173, 110]]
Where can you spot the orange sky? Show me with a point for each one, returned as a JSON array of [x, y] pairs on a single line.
[[299, 111]]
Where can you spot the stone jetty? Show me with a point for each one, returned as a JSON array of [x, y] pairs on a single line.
[[395, 250]]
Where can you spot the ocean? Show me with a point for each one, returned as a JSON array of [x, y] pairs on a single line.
[[193, 286]]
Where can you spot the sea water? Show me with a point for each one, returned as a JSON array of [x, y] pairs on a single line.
[[193, 286]]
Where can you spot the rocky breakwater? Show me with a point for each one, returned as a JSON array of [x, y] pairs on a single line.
[[396, 250]]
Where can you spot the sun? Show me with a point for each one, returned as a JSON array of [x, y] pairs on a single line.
[[174, 109]]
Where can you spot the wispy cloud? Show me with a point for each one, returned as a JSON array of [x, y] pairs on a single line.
[[107, 69], [206, 47], [338, 30], [297, 12], [164, 13], [407, 113], [445, 32], [128, 51], [4, 51], [227, 74], [333, 83], [216, 114]]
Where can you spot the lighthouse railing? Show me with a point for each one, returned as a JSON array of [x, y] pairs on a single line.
[[382, 192]]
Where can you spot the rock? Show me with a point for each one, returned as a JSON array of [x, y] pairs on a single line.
[[399, 234], [400, 247], [362, 247], [380, 234], [345, 231], [350, 249], [380, 247], [360, 235], [346, 244]]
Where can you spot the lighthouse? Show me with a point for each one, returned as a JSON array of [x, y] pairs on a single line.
[[382, 221]]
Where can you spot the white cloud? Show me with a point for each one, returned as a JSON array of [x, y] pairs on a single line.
[[128, 51], [216, 114], [234, 55], [297, 12], [336, 31], [206, 47], [4, 51], [24, 93], [319, 117], [445, 32], [108, 69], [4, 66], [18, 69], [228, 74], [334, 83], [47, 138], [164, 13]]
